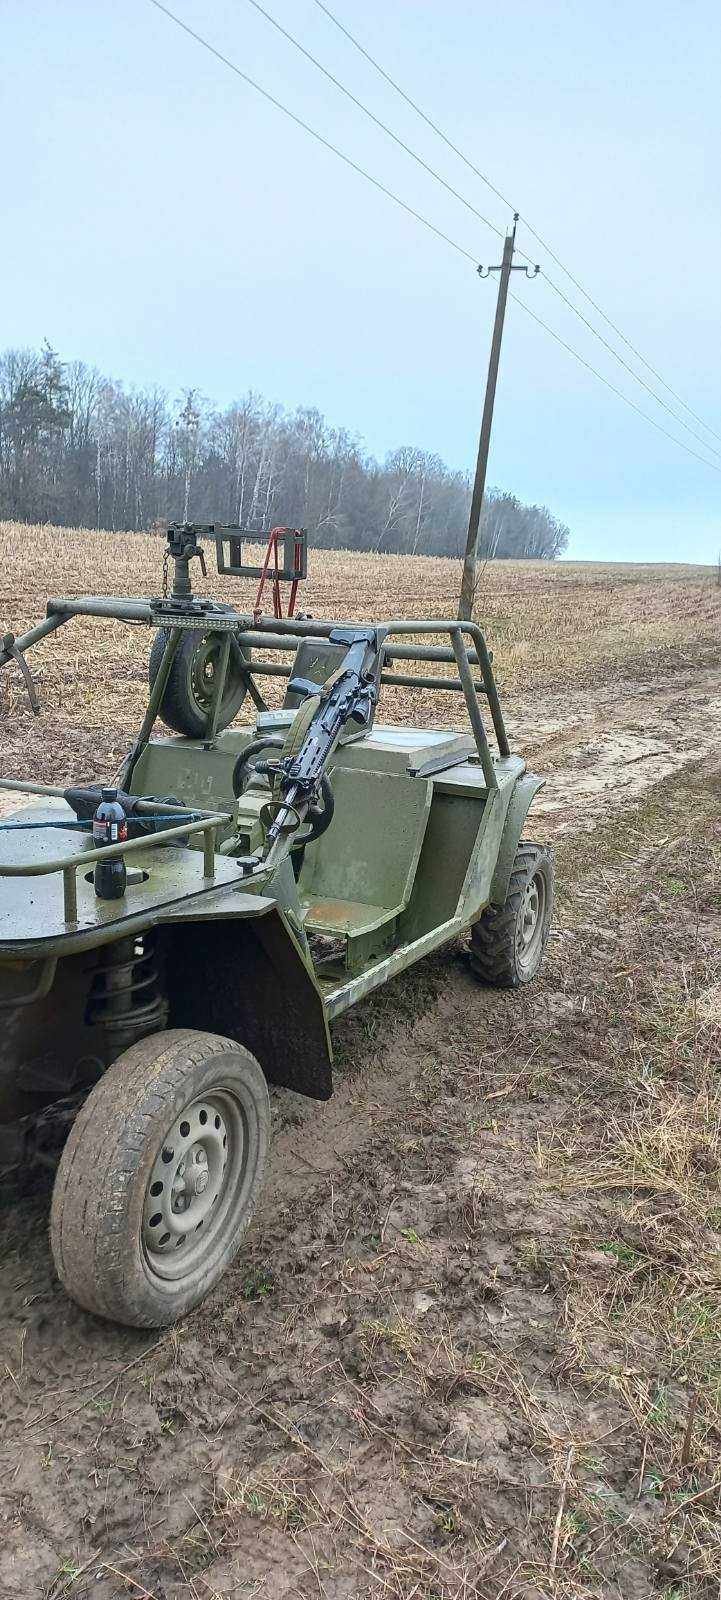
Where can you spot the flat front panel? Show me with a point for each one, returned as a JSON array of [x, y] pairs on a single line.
[[32, 908], [395, 749], [453, 828], [184, 768], [196, 777]]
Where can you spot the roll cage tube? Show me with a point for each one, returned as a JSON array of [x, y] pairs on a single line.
[[282, 634]]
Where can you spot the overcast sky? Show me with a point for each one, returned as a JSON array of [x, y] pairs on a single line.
[[162, 221]]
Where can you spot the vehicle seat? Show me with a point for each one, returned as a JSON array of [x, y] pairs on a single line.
[[315, 659], [359, 876]]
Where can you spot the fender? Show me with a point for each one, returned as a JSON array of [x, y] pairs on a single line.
[[521, 798], [248, 977]]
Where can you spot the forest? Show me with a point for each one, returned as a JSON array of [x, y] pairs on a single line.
[[82, 450]]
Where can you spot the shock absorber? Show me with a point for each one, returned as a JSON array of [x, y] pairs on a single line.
[[126, 999]]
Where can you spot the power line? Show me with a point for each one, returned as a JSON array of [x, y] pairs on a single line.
[[308, 129], [368, 113], [617, 331], [378, 68], [278, 104], [494, 190], [634, 375], [469, 207], [612, 386]]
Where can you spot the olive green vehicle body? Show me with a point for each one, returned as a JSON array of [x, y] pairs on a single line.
[[425, 831]]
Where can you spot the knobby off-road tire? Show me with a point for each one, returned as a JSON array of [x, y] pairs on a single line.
[[508, 941], [189, 691], [170, 1145]]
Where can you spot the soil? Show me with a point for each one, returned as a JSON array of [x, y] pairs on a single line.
[[394, 1392]]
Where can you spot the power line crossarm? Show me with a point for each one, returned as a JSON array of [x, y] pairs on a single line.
[[472, 167], [410, 211]]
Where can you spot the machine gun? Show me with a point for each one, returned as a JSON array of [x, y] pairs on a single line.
[[301, 787]]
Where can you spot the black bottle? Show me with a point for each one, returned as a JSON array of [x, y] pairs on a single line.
[[109, 827]]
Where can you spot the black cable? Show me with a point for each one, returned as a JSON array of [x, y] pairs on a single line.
[[416, 214], [308, 129], [469, 207], [368, 113], [611, 386], [485, 179], [616, 330], [634, 375], [414, 107]]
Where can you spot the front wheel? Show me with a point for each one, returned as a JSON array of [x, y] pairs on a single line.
[[508, 941], [159, 1178]]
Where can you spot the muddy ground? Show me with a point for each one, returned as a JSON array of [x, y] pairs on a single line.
[[471, 1346]]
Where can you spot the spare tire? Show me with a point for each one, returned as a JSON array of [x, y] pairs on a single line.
[[188, 693]]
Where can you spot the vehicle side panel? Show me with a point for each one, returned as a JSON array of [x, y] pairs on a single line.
[[448, 847]]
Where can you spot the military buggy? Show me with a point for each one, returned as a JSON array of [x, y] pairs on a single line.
[[279, 870]]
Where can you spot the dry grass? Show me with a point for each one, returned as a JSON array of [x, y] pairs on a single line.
[[643, 1310], [581, 1337], [544, 621], [523, 1394]]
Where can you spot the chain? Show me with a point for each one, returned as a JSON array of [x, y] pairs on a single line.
[[166, 559]]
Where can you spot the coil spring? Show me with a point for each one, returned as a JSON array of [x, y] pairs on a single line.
[[125, 998]]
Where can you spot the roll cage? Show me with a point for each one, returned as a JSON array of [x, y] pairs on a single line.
[[242, 634]]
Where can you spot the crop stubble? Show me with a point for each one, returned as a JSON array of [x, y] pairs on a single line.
[[472, 1347]]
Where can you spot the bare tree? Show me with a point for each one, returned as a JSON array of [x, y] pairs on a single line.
[[77, 448]]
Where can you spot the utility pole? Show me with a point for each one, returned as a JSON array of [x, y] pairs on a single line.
[[468, 580]]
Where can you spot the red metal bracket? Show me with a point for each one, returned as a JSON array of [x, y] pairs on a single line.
[[271, 570]]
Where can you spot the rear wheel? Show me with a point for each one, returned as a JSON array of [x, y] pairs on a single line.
[[508, 941], [159, 1178], [188, 695]]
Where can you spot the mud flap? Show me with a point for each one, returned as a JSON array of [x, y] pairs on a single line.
[[246, 978], [521, 798]]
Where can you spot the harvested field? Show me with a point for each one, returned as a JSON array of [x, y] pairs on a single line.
[[545, 622], [471, 1348]]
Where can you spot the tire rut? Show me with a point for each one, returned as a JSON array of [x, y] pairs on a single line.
[[69, 1351], [622, 744]]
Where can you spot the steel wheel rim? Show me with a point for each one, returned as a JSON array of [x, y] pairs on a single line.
[[204, 669], [197, 1175], [530, 922], [202, 677]]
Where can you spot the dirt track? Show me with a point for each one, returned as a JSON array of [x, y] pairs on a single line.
[[602, 747], [282, 1442]]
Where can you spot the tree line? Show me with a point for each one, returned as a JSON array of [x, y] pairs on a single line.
[[83, 450]]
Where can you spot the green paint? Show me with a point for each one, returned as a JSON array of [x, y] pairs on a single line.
[[424, 832]]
